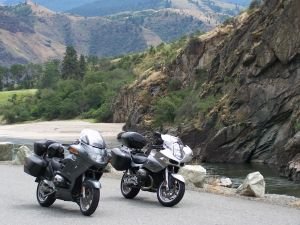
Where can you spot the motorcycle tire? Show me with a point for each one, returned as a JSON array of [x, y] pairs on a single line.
[[128, 192], [89, 203], [166, 197], [42, 200]]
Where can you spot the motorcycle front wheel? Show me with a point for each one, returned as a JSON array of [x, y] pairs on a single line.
[[170, 196], [44, 194], [126, 190], [89, 199]]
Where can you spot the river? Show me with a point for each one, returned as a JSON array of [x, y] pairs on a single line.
[[238, 172]]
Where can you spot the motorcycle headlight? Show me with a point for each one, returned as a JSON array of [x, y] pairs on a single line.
[[97, 158], [95, 154]]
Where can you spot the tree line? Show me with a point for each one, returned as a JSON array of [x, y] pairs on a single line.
[[77, 86]]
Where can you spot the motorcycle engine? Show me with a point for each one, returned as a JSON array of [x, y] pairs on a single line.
[[59, 181], [142, 173], [144, 178]]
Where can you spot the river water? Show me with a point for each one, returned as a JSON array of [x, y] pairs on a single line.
[[238, 172]]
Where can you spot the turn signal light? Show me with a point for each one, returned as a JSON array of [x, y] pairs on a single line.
[[73, 151]]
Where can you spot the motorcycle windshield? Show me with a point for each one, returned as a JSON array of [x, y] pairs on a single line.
[[92, 138], [172, 142]]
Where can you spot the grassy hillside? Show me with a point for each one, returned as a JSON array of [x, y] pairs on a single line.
[[168, 24], [6, 95], [104, 7]]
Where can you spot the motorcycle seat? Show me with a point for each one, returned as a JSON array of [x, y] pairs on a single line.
[[139, 158]]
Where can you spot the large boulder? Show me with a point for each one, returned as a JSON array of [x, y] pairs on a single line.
[[254, 185], [290, 158], [108, 168], [294, 168], [6, 151], [194, 174], [215, 180], [21, 154], [225, 182]]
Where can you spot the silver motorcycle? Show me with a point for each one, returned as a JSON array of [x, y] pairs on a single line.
[[70, 173], [153, 172]]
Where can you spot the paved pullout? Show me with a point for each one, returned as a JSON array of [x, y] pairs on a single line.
[[65, 131], [18, 206]]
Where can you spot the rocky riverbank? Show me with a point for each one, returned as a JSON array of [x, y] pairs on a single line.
[[69, 130], [208, 185]]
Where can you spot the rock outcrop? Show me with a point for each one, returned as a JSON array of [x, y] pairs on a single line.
[[291, 154], [252, 68], [22, 153], [254, 185], [193, 174], [215, 180], [6, 151]]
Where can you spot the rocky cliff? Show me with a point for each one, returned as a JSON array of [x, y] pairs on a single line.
[[251, 68]]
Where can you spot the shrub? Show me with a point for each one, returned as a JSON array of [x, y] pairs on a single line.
[[207, 103], [297, 125], [18, 110], [165, 108], [174, 85], [68, 109], [193, 105], [104, 113]]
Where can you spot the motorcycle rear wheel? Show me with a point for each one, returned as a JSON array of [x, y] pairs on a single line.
[[88, 202], [127, 191], [41, 195], [173, 195]]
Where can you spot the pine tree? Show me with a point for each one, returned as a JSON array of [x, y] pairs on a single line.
[[2, 71], [50, 75], [17, 72], [82, 66], [70, 67]]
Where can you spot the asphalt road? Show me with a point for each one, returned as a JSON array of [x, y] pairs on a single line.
[[18, 206]]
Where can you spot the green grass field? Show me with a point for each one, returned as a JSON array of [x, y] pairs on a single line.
[[5, 95]]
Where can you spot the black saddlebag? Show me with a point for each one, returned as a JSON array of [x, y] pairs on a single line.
[[120, 159], [40, 147], [133, 140], [35, 166]]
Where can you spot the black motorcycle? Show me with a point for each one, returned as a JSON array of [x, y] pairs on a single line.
[[69, 173], [154, 172]]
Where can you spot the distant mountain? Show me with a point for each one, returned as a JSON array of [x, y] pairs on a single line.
[[104, 7], [32, 33], [55, 5], [239, 2]]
